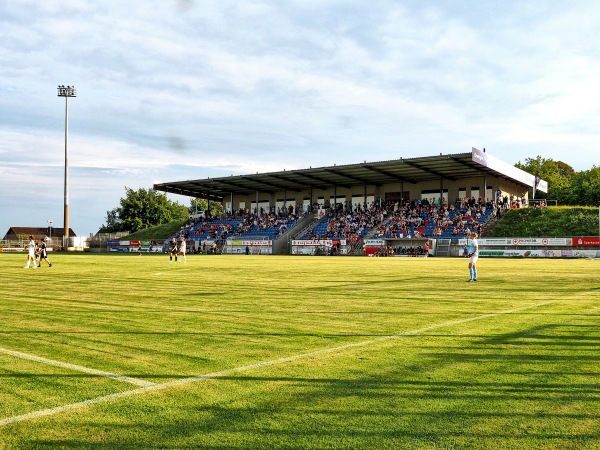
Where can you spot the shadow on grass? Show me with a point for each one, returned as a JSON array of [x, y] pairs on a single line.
[[370, 411], [450, 397]]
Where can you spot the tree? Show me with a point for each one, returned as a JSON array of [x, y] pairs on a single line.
[[565, 185], [142, 209], [557, 173], [212, 208], [586, 187]]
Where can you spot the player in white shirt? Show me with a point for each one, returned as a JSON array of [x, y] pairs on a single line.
[[31, 253], [182, 248]]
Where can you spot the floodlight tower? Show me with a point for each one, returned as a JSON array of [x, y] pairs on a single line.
[[66, 92]]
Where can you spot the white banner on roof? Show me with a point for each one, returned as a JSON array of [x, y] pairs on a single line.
[[487, 160]]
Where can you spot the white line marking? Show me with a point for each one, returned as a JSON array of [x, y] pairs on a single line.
[[183, 381], [52, 362]]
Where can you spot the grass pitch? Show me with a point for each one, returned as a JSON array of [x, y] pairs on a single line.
[[121, 351]]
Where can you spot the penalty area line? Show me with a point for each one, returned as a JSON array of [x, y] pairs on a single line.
[[65, 365], [226, 372]]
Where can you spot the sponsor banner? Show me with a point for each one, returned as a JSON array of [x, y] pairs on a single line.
[[259, 242], [565, 242], [541, 241], [312, 250], [241, 250], [115, 243], [490, 242], [374, 242], [544, 253], [586, 242], [493, 253], [19, 249], [320, 242], [135, 243], [240, 242], [302, 251]]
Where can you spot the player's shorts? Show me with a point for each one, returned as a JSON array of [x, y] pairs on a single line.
[[473, 258]]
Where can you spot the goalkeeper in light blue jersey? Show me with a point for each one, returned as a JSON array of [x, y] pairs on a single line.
[[473, 256]]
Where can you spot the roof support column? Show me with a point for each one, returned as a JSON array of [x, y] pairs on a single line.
[[334, 200], [257, 212], [441, 191], [484, 188], [401, 194]]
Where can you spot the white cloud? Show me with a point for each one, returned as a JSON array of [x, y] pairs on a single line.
[[184, 89]]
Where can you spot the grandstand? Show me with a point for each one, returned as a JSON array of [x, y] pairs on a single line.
[[432, 197]]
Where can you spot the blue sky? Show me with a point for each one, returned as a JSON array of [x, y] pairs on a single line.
[[186, 89]]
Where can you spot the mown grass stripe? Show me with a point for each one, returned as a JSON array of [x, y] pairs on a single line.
[[155, 387]]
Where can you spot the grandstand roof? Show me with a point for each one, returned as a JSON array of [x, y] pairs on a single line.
[[411, 170]]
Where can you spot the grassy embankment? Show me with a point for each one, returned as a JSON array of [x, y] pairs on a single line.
[[548, 222]]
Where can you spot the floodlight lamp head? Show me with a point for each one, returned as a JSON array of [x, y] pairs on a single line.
[[67, 91]]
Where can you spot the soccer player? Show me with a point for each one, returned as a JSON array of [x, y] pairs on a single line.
[[473, 256], [173, 250], [182, 248], [31, 253], [43, 253]]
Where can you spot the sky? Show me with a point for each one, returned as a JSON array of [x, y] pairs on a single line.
[[191, 89]]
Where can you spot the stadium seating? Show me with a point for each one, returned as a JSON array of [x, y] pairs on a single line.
[[245, 227], [422, 222]]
